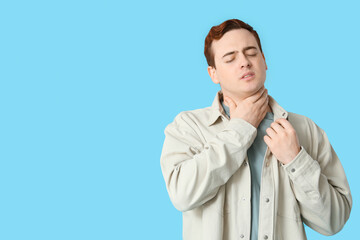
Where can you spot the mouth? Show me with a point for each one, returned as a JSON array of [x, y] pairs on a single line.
[[248, 76]]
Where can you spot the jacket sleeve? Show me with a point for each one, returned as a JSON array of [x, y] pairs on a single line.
[[320, 186], [194, 169]]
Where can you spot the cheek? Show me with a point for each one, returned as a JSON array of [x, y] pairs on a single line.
[[225, 73], [262, 67], [262, 64]]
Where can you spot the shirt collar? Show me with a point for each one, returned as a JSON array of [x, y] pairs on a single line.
[[218, 111]]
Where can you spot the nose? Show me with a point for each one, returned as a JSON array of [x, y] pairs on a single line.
[[244, 61]]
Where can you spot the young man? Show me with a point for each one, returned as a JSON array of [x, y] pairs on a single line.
[[245, 168]]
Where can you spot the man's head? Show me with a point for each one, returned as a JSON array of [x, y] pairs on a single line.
[[233, 49]]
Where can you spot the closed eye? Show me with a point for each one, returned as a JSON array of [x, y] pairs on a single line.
[[229, 60], [252, 55]]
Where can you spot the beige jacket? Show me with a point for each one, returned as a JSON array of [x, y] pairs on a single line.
[[204, 164]]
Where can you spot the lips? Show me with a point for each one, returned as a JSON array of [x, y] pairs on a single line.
[[248, 74]]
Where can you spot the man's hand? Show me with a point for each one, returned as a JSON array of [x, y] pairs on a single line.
[[252, 109], [282, 140]]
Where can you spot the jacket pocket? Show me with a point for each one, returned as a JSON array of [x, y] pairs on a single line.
[[288, 208], [287, 229]]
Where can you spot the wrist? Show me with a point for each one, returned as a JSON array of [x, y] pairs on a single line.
[[293, 156]]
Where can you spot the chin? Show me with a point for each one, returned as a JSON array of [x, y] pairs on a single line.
[[251, 89]]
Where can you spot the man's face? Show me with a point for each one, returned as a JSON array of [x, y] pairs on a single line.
[[237, 54]]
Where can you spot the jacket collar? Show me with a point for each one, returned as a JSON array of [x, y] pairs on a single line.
[[218, 111]]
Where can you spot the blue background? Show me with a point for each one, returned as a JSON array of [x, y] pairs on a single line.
[[88, 87]]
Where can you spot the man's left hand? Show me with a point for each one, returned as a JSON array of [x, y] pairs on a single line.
[[282, 140]]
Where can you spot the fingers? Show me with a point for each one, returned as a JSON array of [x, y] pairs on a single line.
[[263, 96], [258, 94], [263, 104], [267, 140], [285, 123], [260, 89], [270, 132], [276, 127], [264, 100], [231, 103]]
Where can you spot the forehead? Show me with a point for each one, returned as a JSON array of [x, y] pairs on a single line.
[[235, 39]]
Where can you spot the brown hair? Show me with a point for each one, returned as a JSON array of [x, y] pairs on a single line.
[[216, 32]]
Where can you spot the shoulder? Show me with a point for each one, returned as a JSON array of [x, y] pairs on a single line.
[[189, 126], [302, 121], [192, 117], [309, 133]]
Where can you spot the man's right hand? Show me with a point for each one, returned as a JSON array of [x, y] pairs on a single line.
[[252, 109]]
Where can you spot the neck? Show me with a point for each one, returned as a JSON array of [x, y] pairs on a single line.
[[238, 99]]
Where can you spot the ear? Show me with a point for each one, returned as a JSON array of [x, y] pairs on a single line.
[[264, 61], [212, 74]]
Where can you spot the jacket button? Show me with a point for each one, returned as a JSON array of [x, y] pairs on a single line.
[[293, 170], [265, 237], [245, 163], [267, 200], [242, 236]]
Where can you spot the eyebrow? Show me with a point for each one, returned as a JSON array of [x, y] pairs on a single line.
[[244, 49]]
